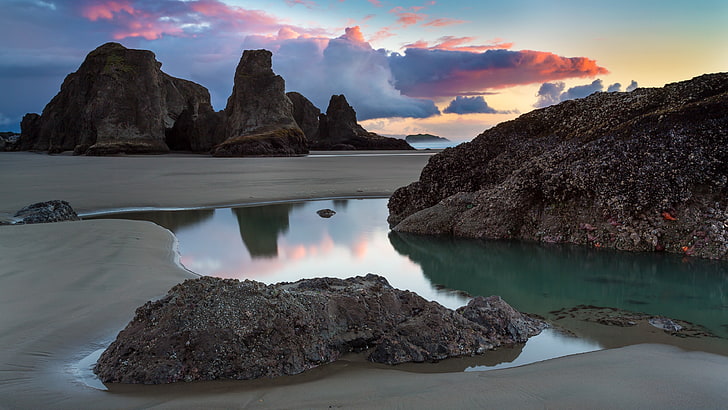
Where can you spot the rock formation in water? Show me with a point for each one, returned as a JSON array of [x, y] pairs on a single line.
[[44, 212], [419, 138], [338, 130], [210, 328], [119, 101], [258, 118], [644, 171]]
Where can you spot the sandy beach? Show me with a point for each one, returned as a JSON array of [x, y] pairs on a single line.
[[66, 289]]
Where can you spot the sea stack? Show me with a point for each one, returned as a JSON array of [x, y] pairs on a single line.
[[339, 130], [119, 101], [258, 118], [641, 171]]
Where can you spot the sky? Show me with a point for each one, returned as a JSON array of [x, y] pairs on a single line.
[[449, 68]]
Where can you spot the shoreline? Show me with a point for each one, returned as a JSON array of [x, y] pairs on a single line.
[[71, 286]]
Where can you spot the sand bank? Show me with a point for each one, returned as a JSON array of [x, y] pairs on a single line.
[[66, 289], [103, 183]]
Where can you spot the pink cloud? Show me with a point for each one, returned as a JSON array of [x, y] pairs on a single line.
[[407, 18], [457, 44], [107, 10], [376, 3], [151, 20]]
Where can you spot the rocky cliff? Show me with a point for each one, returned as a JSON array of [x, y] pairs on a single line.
[[119, 101], [645, 171], [258, 118], [210, 328], [339, 130], [306, 115]]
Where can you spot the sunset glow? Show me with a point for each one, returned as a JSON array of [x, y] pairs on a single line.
[[397, 63]]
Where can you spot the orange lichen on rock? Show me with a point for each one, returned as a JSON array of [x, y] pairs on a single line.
[[668, 216]]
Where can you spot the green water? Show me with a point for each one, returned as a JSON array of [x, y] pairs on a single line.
[[289, 241]]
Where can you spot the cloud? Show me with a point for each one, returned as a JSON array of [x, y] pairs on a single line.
[[345, 65], [153, 19], [5, 120], [431, 73], [443, 22], [457, 44], [581, 91], [408, 18], [553, 93], [616, 87], [549, 94], [375, 3], [632, 86], [470, 105], [305, 3]]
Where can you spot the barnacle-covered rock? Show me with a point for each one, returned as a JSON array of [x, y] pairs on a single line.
[[210, 328], [644, 170]]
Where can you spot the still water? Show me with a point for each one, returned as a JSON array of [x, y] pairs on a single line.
[[289, 241]]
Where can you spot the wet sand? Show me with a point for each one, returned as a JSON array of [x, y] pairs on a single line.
[[66, 289]]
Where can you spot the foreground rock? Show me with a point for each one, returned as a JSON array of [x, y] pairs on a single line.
[[640, 171], [119, 101], [258, 118], [44, 212], [339, 130], [211, 328]]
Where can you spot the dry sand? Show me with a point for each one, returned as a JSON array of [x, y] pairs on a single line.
[[66, 289]]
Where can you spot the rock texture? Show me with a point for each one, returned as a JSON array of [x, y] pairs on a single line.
[[644, 171], [211, 328], [44, 212], [306, 115], [119, 101], [258, 118], [339, 130], [8, 141]]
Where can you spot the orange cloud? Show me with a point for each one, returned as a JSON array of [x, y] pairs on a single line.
[[438, 72], [354, 34]]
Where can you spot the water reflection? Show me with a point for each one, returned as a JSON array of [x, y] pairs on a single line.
[[549, 344], [287, 242], [538, 279], [260, 227]]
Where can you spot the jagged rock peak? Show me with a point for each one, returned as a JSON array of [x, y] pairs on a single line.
[[255, 62], [344, 113], [338, 129], [259, 116]]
